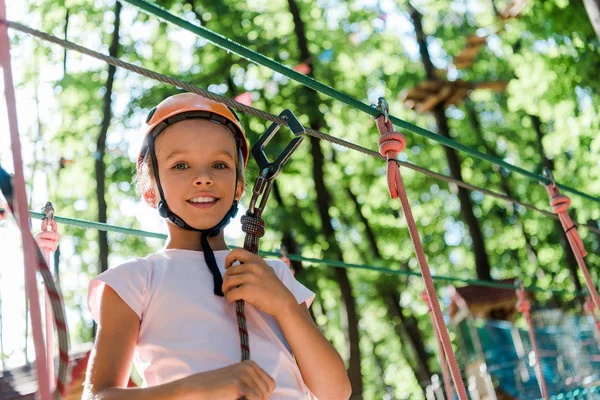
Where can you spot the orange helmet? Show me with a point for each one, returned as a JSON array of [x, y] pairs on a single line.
[[190, 105]]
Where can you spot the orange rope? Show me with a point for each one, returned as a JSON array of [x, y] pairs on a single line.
[[390, 144], [443, 361], [20, 212], [48, 242], [560, 205], [524, 307]]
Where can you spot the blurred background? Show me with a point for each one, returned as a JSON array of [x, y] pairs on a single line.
[[518, 80]]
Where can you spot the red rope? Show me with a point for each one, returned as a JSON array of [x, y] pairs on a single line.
[[254, 227], [390, 144], [443, 361], [560, 205], [524, 307], [21, 212], [48, 242]]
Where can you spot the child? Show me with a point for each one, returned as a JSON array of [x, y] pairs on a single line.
[[173, 312]]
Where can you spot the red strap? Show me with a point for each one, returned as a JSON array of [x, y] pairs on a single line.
[[524, 307], [21, 212], [390, 144], [560, 205]]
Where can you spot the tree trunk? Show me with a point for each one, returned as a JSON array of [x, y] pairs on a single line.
[[100, 170], [67, 16], [593, 10], [410, 325], [482, 263], [323, 204], [564, 242]]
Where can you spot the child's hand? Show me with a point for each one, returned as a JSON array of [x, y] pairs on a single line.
[[256, 283], [243, 380]]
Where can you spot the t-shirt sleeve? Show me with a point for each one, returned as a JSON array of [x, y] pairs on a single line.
[[128, 280], [300, 292]]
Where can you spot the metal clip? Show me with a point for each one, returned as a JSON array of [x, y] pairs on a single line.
[[549, 175], [270, 170], [382, 106]]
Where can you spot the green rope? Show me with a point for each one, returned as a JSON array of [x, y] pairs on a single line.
[[295, 257], [260, 59], [99, 226]]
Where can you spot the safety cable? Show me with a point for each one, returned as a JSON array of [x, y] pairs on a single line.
[[251, 55], [270, 117], [297, 257]]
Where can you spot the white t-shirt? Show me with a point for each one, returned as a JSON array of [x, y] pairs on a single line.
[[186, 329]]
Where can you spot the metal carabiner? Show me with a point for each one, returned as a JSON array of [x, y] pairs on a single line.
[[270, 170], [549, 175], [382, 106]]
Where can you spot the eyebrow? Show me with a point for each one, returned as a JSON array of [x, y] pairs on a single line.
[[177, 153]]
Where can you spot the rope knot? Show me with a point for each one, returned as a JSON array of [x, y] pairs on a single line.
[[253, 225], [48, 240], [49, 237], [390, 144], [560, 203]]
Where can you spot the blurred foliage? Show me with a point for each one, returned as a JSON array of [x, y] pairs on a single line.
[[366, 49]]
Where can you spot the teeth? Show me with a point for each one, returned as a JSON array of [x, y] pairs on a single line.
[[202, 200]]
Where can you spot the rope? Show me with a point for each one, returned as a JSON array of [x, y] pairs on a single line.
[[273, 118], [28, 243], [392, 143], [270, 117], [254, 228], [31, 253], [560, 205], [298, 257], [443, 361], [47, 241], [524, 307], [251, 55]]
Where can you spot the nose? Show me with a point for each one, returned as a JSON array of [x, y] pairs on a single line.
[[203, 177]]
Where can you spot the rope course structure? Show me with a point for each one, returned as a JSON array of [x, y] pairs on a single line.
[[253, 225], [270, 117], [316, 261]]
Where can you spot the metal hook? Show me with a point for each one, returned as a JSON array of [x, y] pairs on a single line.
[[383, 106], [262, 187], [270, 170], [547, 172]]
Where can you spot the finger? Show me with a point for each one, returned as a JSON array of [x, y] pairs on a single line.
[[256, 381], [266, 378], [238, 269], [233, 281], [238, 293], [241, 255], [249, 392]]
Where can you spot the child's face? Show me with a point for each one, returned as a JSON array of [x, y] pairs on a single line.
[[197, 169]]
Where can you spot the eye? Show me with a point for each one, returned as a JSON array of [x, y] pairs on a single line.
[[220, 165], [180, 165]]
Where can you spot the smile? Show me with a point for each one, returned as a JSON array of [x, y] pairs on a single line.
[[203, 202]]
